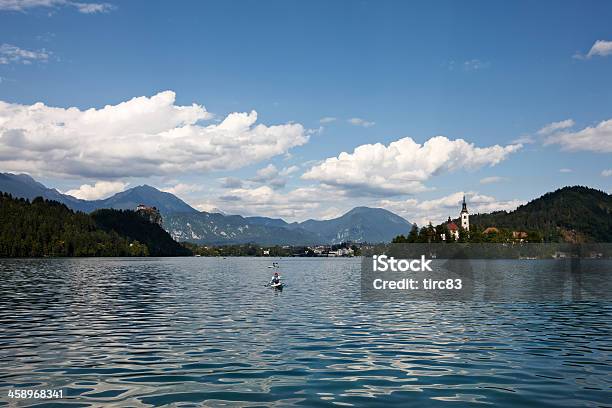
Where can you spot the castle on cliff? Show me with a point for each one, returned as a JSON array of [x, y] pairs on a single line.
[[150, 213]]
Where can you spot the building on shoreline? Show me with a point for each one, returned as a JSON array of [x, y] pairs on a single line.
[[452, 228]]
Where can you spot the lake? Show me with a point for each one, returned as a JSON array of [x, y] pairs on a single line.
[[205, 331]]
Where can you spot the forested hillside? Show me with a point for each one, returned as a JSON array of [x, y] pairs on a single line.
[[137, 228], [568, 214], [43, 228], [48, 228]]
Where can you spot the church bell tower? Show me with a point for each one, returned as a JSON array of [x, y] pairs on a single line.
[[465, 216]]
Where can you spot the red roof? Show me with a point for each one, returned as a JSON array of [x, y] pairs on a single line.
[[452, 226]]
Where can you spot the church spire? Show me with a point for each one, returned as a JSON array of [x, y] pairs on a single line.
[[465, 216]]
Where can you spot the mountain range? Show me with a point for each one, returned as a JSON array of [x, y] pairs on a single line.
[[185, 223]]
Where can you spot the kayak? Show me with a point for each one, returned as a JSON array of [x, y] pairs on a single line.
[[277, 286]]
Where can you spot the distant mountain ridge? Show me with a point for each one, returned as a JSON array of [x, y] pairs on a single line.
[[166, 203], [185, 223], [361, 224], [24, 186]]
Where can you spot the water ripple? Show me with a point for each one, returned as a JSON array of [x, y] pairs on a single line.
[[198, 331]]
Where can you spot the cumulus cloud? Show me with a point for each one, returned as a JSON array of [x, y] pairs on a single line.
[[266, 173], [11, 54], [327, 119], [403, 166], [85, 8], [556, 126], [101, 189], [144, 136], [565, 170], [491, 180], [600, 48], [230, 182], [594, 139], [361, 122], [439, 209], [288, 170], [300, 203], [606, 173], [272, 176], [183, 188], [324, 202]]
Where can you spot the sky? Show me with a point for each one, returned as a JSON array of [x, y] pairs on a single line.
[[305, 109]]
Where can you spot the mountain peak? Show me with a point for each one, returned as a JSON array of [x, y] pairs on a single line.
[[167, 203], [146, 187], [362, 210]]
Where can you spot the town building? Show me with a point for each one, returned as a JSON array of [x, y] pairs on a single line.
[[453, 229]]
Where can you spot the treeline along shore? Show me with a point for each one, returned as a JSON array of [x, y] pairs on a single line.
[[574, 214], [46, 228]]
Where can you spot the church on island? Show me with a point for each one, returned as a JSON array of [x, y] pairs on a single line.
[[453, 229]]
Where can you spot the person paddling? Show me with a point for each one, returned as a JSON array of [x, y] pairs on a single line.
[[275, 279]]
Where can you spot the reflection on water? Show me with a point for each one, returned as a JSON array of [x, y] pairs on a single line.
[[194, 331]]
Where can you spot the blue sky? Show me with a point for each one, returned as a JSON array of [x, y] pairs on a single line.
[[491, 73]]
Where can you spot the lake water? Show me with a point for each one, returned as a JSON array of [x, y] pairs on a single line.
[[205, 331]]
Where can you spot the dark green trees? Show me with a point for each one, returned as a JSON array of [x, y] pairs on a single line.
[[137, 228], [47, 228]]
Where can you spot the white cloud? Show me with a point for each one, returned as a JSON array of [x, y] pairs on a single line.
[[525, 139], [230, 182], [11, 54], [404, 165], [606, 173], [144, 136], [555, 126], [467, 65], [208, 207], [438, 210], [491, 180], [288, 170], [475, 65], [85, 8], [272, 176], [324, 202], [565, 170], [101, 189], [361, 122], [183, 188], [327, 119], [92, 8], [602, 48], [297, 204], [595, 139], [266, 173]]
